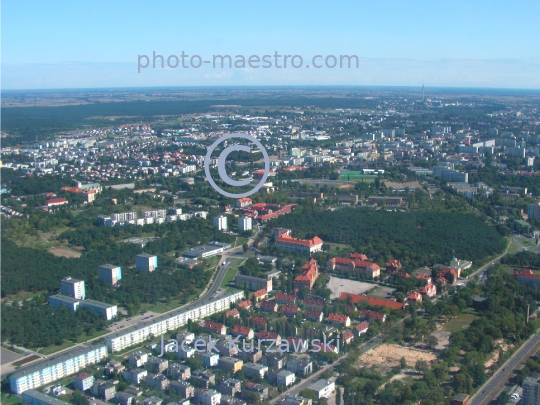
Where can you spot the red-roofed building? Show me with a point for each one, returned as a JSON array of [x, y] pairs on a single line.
[[215, 327], [399, 275], [321, 348], [282, 298], [426, 279], [55, 202], [373, 315], [260, 295], [243, 202], [297, 245], [393, 265], [344, 265], [269, 336], [269, 306], [313, 303], [429, 290], [310, 272], [277, 232], [336, 319], [260, 323], [233, 312], [244, 331], [348, 336], [415, 296], [358, 256], [289, 310], [528, 277], [376, 302], [450, 275], [89, 195], [313, 315], [361, 328], [247, 304]]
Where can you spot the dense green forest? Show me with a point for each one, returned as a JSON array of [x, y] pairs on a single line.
[[523, 259], [415, 238]]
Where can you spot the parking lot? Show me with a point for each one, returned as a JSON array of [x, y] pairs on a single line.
[[339, 285]]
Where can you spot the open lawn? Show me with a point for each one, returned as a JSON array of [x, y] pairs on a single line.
[[54, 348], [459, 323], [229, 276], [352, 175]]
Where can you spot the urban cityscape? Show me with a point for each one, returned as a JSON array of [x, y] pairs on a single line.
[[382, 247]]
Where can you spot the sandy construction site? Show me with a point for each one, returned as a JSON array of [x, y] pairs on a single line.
[[387, 356]]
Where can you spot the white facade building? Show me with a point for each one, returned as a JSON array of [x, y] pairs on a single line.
[[221, 223], [245, 223]]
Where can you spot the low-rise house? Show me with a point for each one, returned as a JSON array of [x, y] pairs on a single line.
[[183, 388], [314, 315], [258, 322], [179, 371], [157, 382], [157, 365], [83, 381], [247, 304], [300, 366], [361, 328], [184, 354], [228, 386], [336, 319], [269, 336], [234, 313], [290, 310], [103, 389], [214, 327], [203, 376], [228, 400], [269, 306], [138, 359], [114, 366], [124, 398], [254, 370], [425, 278], [285, 378], [373, 315], [296, 400], [210, 359], [230, 364], [260, 295], [226, 349], [134, 376], [250, 356], [313, 303], [243, 331], [348, 336], [153, 401], [282, 298], [414, 297], [259, 389], [207, 397], [429, 290], [274, 360], [322, 388]]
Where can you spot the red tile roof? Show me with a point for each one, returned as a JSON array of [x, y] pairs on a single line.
[[245, 304], [289, 308], [347, 335], [358, 256], [213, 326], [528, 273], [293, 241], [241, 330], [285, 297], [362, 326], [233, 312], [372, 314], [257, 320], [337, 318], [260, 293], [312, 313], [371, 301]]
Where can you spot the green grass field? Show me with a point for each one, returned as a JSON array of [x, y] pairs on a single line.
[[229, 276], [459, 323], [351, 175]]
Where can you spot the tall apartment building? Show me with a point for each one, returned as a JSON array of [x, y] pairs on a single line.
[[533, 211], [55, 367], [145, 262], [72, 287], [449, 174], [110, 274], [245, 223], [221, 223], [124, 216], [33, 397]]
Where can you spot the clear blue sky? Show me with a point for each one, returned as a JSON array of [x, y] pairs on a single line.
[[51, 44]]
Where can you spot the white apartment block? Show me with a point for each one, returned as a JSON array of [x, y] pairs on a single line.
[[162, 324], [220, 223], [245, 223], [74, 288], [55, 367]]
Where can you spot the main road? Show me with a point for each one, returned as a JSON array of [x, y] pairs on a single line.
[[493, 387]]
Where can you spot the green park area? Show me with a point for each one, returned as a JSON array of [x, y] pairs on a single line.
[[352, 175]]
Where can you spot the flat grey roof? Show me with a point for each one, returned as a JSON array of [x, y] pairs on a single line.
[[146, 255], [59, 358], [108, 266], [319, 385], [95, 303], [65, 298], [44, 398]]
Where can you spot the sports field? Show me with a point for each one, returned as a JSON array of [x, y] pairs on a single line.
[[352, 175]]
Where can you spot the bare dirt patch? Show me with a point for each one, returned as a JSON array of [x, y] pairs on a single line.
[[387, 356], [339, 285], [443, 337], [64, 252]]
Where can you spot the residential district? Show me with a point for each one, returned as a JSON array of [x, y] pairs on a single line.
[[392, 237]]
